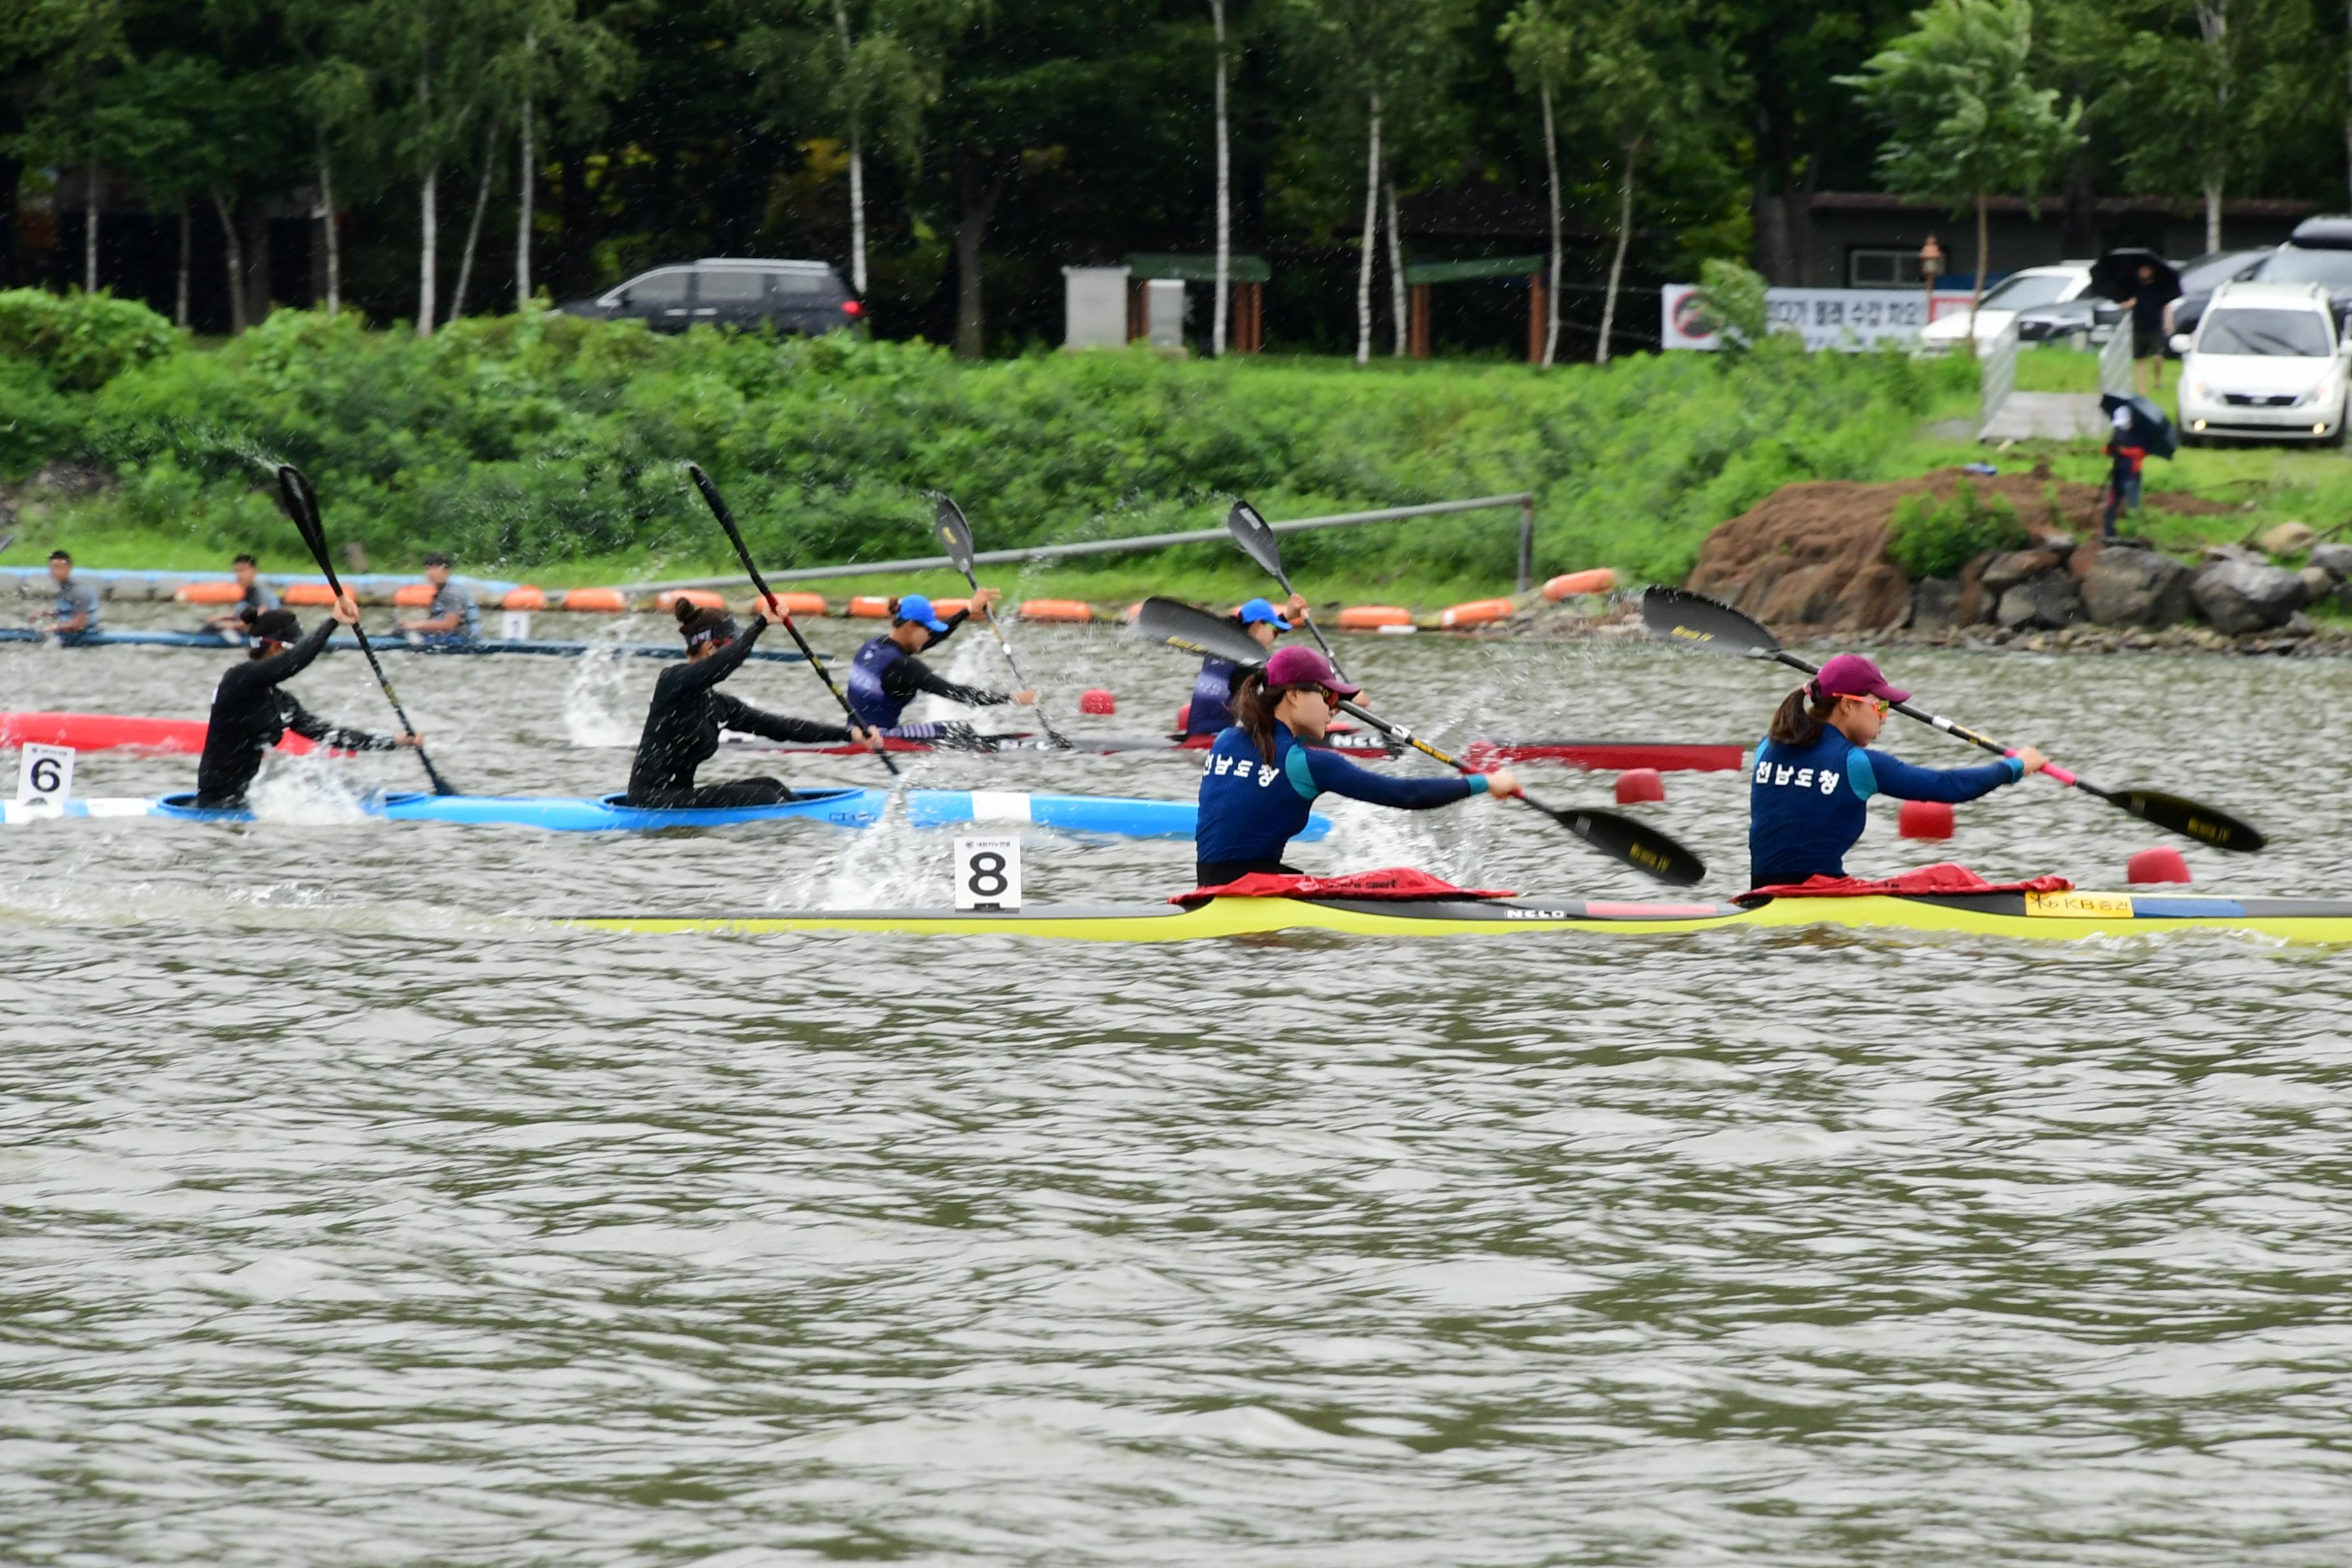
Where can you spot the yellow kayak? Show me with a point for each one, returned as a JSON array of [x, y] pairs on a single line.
[[2045, 916]]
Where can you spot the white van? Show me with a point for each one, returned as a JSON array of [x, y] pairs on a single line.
[[2266, 362]]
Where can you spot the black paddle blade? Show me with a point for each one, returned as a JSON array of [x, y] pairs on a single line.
[[1197, 632], [2189, 818], [954, 534], [1694, 621], [1257, 536], [1632, 843]]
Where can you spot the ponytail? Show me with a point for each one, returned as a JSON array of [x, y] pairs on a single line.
[[1252, 704], [1802, 715]]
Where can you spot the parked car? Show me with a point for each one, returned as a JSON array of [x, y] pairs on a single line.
[[806, 297], [2086, 316], [2027, 288], [2267, 362], [2318, 251]]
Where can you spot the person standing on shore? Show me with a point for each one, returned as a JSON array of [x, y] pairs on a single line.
[[2152, 293], [73, 614], [453, 617]]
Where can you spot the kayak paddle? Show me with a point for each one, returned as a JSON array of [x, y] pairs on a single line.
[[955, 533], [717, 504], [1619, 837], [1257, 537], [303, 506], [1694, 621]]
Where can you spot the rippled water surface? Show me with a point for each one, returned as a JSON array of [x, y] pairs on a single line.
[[350, 1210]]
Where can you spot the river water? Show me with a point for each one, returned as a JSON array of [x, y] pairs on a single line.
[[354, 1212]]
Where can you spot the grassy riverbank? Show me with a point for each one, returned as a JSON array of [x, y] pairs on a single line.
[[549, 448]]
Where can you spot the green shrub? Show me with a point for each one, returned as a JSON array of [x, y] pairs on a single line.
[[83, 341], [1735, 301], [1929, 538]]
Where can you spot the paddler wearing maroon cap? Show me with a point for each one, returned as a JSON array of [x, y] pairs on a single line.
[[1815, 772], [1264, 774]]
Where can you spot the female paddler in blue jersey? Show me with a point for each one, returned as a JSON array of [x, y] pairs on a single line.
[[1264, 774], [1213, 693], [1815, 772], [885, 676]]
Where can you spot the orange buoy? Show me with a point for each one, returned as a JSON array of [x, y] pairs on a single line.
[[2162, 864], [943, 608], [1635, 784], [1476, 613], [870, 608], [800, 604], [1373, 617], [413, 596], [596, 601], [1599, 580], [700, 598], [207, 594], [1925, 819], [524, 599], [308, 594], [1098, 700], [1056, 610]]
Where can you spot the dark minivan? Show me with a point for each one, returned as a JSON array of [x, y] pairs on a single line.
[[806, 297]]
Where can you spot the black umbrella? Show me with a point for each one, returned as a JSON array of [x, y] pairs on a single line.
[[2117, 274], [2150, 429]]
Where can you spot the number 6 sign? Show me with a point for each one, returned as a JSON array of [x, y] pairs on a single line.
[[988, 873], [46, 779]]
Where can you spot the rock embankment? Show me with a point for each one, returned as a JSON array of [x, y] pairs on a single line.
[[1815, 556]]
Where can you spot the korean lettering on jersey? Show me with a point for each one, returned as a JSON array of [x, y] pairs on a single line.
[[1781, 776], [1221, 765]]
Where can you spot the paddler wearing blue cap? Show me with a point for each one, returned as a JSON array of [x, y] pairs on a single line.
[[1265, 770], [1815, 771], [885, 675], [1212, 710]]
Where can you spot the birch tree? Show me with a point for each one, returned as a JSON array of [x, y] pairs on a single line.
[[1541, 46]]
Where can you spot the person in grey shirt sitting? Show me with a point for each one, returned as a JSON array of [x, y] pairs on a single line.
[[453, 616], [73, 614], [253, 597]]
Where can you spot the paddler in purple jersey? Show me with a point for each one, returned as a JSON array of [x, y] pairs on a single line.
[[1809, 798]]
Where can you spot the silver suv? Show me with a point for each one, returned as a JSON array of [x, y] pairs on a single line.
[[806, 297]]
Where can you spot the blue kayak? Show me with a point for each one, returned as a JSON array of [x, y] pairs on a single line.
[[606, 813]]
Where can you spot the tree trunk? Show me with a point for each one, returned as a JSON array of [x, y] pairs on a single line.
[[474, 229], [2212, 213], [1984, 259], [428, 216], [180, 290], [525, 185], [89, 233], [332, 238], [1224, 192], [1551, 169], [1396, 277], [856, 162], [1371, 225], [971, 233], [1617, 261], [2347, 88], [2213, 26], [235, 246]]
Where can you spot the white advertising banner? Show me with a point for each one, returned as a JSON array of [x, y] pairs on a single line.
[[1824, 318]]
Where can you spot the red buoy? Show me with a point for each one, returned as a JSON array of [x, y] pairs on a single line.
[[1925, 819], [1098, 700], [2159, 865], [1635, 784], [1183, 718]]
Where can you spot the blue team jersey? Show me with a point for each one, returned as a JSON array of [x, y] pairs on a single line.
[[1807, 806], [1250, 808], [868, 699]]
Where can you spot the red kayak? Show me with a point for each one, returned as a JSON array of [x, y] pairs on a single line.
[[1609, 756], [115, 733], [1601, 756]]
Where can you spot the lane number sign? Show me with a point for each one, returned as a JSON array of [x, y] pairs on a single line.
[[44, 778], [988, 873]]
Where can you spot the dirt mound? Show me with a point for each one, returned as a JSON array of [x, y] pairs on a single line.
[[1815, 553]]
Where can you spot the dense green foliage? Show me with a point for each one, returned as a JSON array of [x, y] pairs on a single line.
[[542, 438], [83, 341], [1932, 538]]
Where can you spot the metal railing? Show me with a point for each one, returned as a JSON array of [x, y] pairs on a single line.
[[1999, 375], [1524, 500], [2116, 359]]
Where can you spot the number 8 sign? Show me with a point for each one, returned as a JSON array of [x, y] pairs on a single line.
[[988, 873], [46, 778]]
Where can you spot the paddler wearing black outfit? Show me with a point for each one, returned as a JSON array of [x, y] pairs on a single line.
[[252, 711], [683, 723]]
